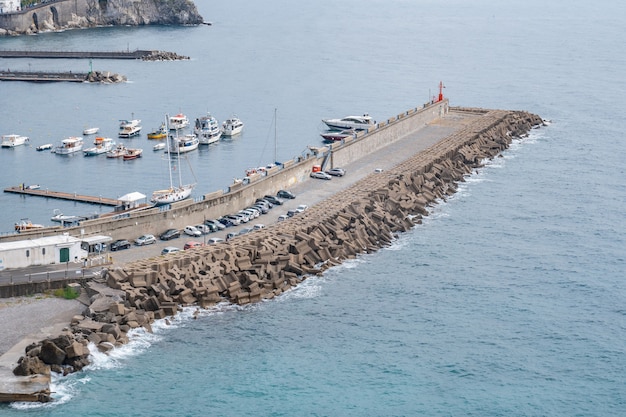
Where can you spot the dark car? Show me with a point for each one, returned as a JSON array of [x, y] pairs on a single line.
[[274, 200], [120, 244], [285, 194], [170, 234], [226, 222]]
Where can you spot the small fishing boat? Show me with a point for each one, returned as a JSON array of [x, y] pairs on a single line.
[[184, 144], [11, 141], [102, 145], [158, 146], [160, 133], [180, 121], [132, 153], [69, 146], [59, 217], [44, 147], [91, 131], [337, 135], [117, 152]]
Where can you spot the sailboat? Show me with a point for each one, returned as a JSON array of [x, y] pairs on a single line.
[[174, 193]]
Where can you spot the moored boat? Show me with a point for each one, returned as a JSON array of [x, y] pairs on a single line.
[[179, 121], [117, 152], [159, 146], [351, 122], [44, 147], [91, 131], [26, 224], [59, 217], [11, 141], [232, 126], [69, 145], [129, 128], [184, 144], [337, 135], [160, 133], [207, 129], [102, 145], [132, 153]]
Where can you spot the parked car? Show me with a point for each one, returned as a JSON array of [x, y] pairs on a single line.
[[291, 212], [321, 175], [265, 202], [214, 223], [282, 217], [170, 234], [204, 229], [192, 244], [214, 240], [230, 235], [227, 222], [263, 209], [301, 208], [274, 200], [336, 172], [145, 240], [285, 194], [192, 231], [170, 249], [245, 230], [259, 226], [120, 244]]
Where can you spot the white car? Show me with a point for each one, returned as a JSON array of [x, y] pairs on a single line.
[[192, 231], [259, 226], [301, 208], [321, 175], [203, 228], [214, 240]]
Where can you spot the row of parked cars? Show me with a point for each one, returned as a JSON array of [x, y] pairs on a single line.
[[261, 206], [329, 174]]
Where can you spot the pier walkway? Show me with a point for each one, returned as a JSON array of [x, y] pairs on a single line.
[[92, 199], [137, 54]]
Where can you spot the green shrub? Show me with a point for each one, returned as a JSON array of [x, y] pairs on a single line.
[[66, 292]]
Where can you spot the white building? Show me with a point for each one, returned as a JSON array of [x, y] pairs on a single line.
[[41, 251], [7, 6]]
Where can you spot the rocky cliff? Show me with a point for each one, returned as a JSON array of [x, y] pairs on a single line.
[[68, 14]]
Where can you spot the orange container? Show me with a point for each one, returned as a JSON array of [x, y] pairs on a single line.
[[317, 168]]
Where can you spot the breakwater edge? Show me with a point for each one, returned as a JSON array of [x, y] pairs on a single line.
[[252, 268]]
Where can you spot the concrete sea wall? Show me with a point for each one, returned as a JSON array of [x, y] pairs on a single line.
[[264, 264]]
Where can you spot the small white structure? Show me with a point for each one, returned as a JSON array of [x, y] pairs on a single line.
[[8, 6], [131, 200], [41, 251], [95, 244]]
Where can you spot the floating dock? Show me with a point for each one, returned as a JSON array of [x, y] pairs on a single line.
[[92, 199]]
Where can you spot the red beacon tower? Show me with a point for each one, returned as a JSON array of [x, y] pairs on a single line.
[[441, 87]]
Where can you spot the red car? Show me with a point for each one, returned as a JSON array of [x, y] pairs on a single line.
[[192, 244]]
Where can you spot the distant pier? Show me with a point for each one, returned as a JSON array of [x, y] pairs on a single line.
[[137, 54], [63, 196]]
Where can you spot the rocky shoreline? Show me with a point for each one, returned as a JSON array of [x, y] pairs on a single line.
[[251, 268]]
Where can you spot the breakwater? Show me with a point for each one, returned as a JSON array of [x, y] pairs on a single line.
[[105, 77], [250, 268]]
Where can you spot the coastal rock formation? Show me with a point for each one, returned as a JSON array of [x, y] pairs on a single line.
[[69, 14], [261, 265], [106, 77]]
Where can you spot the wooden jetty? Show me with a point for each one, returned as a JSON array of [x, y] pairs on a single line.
[[64, 196]]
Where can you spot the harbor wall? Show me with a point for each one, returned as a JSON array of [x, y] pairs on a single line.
[[239, 195]]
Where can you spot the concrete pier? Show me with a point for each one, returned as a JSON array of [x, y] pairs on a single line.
[[92, 199]]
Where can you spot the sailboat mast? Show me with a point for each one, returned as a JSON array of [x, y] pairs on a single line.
[[169, 154], [275, 141]]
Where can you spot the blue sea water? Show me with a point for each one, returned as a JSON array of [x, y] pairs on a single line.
[[507, 301]]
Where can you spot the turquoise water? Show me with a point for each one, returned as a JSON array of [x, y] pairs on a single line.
[[507, 301]]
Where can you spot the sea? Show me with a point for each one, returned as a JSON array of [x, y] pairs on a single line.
[[509, 299]]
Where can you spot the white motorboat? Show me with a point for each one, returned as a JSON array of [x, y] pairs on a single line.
[[118, 152], [232, 126], [129, 128], [173, 193], [102, 145], [11, 141], [59, 217], [44, 147], [180, 121], [351, 122], [207, 129], [91, 131], [159, 146], [69, 146], [184, 144]]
